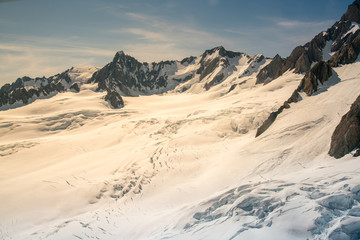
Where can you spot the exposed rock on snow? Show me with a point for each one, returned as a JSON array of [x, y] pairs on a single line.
[[25, 90], [129, 75], [271, 71], [321, 72], [114, 99], [267, 123], [75, 87], [346, 136], [349, 51]]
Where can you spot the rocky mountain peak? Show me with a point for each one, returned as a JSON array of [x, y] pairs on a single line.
[[221, 51], [353, 12], [119, 55], [123, 59]]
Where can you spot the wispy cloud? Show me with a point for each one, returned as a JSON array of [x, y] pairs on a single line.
[[295, 24], [143, 34], [74, 50], [156, 33], [290, 23], [36, 56]]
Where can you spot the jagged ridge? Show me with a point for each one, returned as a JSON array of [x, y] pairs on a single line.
[[345, 49], [24, 89], [126, 76], [302, 57]]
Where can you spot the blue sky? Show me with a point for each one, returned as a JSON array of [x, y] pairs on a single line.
[[45, 37]]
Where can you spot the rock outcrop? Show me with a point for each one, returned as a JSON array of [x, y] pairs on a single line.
[[300, 60], [114, 99], [349, 52], [75, 87], [267, 123], [346, 136], [271, 71], [320, 73]]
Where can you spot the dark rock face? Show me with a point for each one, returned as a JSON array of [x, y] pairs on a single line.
[[232, 88], [291, 61], [208, 67], [302, 64], [218, 78], [300, 60], [269, 121], [346, 136], [114, 99], [321, 72], [75, 87], [222, 53], [127, 74], [353, 12], [188, 60], [349, 52], [357, 153], [271, 71]]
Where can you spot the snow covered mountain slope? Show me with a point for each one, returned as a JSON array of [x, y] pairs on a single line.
[[179, 166], [126, 76], [26, 90]]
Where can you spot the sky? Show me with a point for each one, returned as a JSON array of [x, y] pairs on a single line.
[[45, 37]]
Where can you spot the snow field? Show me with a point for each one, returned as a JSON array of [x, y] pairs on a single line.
[[180, 166]]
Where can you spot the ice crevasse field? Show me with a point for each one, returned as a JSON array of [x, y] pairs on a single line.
[[180, 166]]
